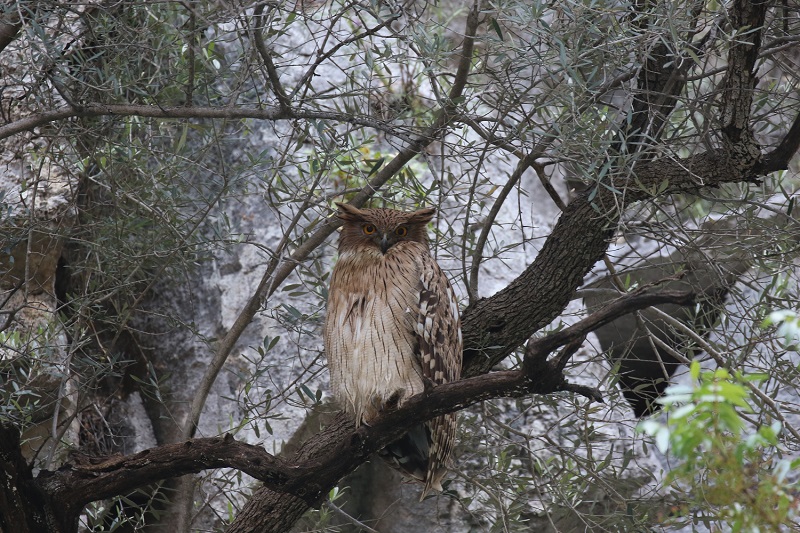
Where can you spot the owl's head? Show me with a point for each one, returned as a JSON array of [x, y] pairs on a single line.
[[381, 228]]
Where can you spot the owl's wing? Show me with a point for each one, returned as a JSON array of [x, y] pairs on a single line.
[[439, 342], [438, 326]]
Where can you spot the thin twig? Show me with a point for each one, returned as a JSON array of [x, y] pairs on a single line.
[[272, 72], [477, 254], [353, 520]]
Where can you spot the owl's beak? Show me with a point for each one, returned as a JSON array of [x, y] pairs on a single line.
[[384, 244]]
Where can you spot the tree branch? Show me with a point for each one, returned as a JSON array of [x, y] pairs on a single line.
[[747, 19], [186, 112], [261, 47], [91, 479], [538, 349], [493, 327], [778, 159]]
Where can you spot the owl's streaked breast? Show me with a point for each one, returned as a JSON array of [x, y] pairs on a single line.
[[369, 330]]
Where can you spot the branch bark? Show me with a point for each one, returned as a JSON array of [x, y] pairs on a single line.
[[91, 479]]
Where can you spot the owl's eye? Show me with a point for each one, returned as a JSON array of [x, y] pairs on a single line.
[[369, 229], [401, 231]]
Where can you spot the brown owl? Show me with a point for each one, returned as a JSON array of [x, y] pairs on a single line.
[[392, 325]]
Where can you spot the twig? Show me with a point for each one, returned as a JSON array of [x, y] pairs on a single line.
[[591, 393], [477, 254], [353, 520], [274, 113], [272, 72], [327, 55]]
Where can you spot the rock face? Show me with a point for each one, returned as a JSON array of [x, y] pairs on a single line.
[[647, 348], [646, 365], [37, 199]]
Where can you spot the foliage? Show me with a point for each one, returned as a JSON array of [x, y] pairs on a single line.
[[788, 327], [739, 478]]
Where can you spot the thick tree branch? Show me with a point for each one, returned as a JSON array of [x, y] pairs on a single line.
[[495, 326], [747, 18], [75, 485], [581, 235]]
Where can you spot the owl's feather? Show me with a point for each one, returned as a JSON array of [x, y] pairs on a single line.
[[392, 325]]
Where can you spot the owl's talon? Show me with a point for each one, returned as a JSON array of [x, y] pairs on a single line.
[[392, 403]]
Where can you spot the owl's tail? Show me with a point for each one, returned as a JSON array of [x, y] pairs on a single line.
[[411, 456]]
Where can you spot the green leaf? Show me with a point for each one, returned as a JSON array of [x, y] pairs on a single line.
[[683, 411], [376, 166], [496, 27], [307, 392], [694, 370], [662, 439]]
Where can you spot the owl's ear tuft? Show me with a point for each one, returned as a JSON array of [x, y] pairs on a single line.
[[349, 213], [422, 216]]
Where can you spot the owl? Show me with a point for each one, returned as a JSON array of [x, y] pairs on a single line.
[[392, 328]]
